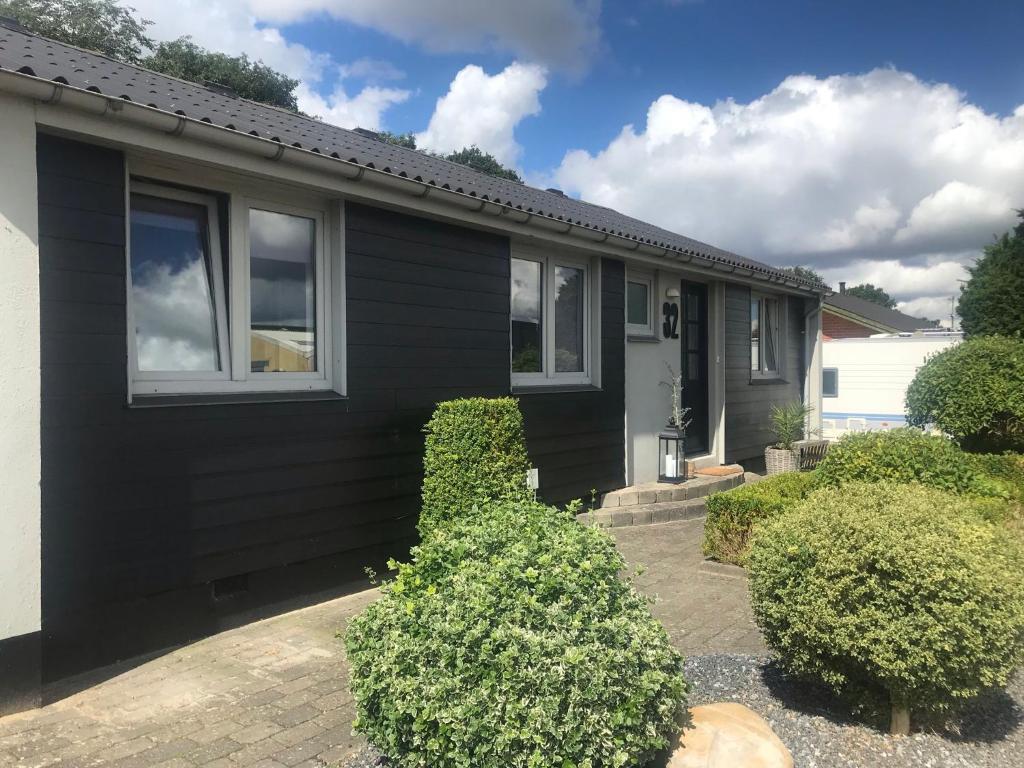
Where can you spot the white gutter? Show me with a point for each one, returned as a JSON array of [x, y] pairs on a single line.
[[51, 92]]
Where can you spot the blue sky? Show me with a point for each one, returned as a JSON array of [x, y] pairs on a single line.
[[716, 49], [879, 141]]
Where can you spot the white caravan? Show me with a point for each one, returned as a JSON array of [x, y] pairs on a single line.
[[864, 381]]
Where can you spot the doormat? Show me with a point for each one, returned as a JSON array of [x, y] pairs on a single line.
[[720, 471]]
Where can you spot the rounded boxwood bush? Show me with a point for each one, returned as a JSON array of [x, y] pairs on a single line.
[[475, 453], [973, 392], [890, 594], [733, 513], [511, 641], [900, 455]]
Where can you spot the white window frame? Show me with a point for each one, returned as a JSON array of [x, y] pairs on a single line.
[[233, 320], [836, 372], [633, 329], [549, 377], [780, 353], [159, 381], [241, 295]]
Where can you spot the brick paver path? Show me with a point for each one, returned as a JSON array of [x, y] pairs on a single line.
[[275, 693], [703, 613]]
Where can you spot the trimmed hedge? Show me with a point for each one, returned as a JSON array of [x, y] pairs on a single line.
[[511, 641], [973, 392], [475, 454], [890, 594], [901, 455], [732, 514]]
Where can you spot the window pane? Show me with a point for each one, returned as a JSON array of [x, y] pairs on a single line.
[[568, 320], [771, 334], [755, 334], [830, 382], [172, 294], [282, 274], [636, 303], [527, 303]]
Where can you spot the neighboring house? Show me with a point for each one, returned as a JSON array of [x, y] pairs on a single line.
[[225, 326], [851, 317], [864, 381]]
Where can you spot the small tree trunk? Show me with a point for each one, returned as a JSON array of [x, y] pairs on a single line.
[[900, 720]]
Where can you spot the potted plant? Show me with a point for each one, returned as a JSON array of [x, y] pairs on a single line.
[[672, 440], [787, 424]]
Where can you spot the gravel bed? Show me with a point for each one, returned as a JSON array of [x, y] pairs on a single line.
[[818, 733]]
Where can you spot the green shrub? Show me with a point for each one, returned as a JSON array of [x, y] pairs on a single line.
[[787, 423], [510, 640], [974, 392], [732, 514], [475, 453], [900, 455], [1004, 469], [890, 594]]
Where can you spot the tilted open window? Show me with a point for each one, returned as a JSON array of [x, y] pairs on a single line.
[[551, 310], [767, 335], [223, 307]]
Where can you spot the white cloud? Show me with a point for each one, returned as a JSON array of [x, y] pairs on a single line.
[[365, 110], [484, 110], [374, 70], [563, 34], [231, 27], [878, 177]]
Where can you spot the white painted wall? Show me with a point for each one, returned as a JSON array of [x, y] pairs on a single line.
[[19, 372], [873, 377]]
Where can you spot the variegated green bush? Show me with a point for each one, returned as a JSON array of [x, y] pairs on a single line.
[[510, 641], [475, 453], [891, 594]]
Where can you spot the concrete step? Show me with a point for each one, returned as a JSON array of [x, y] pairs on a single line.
[[656, 493], [645, 514]]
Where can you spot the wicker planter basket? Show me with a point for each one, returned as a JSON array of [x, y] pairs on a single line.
[[779, 460]]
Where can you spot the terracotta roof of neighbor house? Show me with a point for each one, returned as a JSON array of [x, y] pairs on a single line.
[[35, 56], [876, 314]]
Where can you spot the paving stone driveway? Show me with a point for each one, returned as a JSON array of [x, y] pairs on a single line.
[[275, 693]]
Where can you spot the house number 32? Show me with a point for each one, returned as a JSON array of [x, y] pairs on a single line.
[[671, 325]]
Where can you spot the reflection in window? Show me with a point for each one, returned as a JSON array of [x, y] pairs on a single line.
[[568, 319], [637, 302], [527, 302], [172, 286], [764, 335], [282, 274], [755, 334]]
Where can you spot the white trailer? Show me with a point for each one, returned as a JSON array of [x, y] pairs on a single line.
[[864, 381]]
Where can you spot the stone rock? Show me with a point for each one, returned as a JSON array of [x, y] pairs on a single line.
[[729, 735]]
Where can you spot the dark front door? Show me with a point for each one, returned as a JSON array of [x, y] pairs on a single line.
[[693, 333]]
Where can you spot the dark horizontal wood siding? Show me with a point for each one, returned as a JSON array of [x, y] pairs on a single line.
[[577, 439], [748, 401], [147, 511]]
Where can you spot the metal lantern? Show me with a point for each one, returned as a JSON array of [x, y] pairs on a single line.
[[672, 455]]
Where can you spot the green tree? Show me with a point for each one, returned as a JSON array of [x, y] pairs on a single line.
[[407, 140], [251, 80], [478, 160], [98, 25], [473, 156], [992, 301], [806, 273], [118, 32], [871, 293]]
